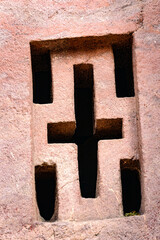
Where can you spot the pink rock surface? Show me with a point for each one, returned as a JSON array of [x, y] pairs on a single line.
[[23, 140]]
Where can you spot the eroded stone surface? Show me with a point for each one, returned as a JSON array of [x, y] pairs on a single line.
[[22, 22]]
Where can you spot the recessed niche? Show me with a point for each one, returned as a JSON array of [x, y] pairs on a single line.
[[87, 130], [131, 186], [42, 78], [61, 132], [45, 184], [123, 68], [109, 128]]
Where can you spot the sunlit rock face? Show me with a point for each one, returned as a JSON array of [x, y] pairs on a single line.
[[79, 120]]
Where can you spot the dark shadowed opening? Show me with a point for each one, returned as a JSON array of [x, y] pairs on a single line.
[[131, 188], [45, 181], [84, 99], [42, 78], [109, 128], [61, 132], [87, 159], [87, 144], [123, 69]]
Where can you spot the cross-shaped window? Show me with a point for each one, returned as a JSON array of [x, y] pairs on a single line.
[[72, 109]]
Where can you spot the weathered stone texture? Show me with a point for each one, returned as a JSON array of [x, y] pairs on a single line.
[[23, 141]]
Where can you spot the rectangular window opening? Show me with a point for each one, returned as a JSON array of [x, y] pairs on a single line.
[[46, 191], [123, 69], [84, 134], [131, 186], [42, 77]]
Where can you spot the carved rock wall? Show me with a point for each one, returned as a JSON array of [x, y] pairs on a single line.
[[23, 124]]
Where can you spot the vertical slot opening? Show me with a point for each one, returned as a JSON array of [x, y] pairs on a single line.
[[42, 77], [87, 159], [83, 93], [45, 183], [84, 138], [123, 69], [131, 187]]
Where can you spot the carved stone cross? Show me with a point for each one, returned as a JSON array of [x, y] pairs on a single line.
[[86, 134]]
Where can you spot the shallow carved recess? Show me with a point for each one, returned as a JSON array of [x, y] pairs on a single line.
[[79, 43]]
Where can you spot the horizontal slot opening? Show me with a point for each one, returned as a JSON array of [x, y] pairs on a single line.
[[109, 128], [61, 132], [42, 78], [131, 187], [123, 69], [45, 183]]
